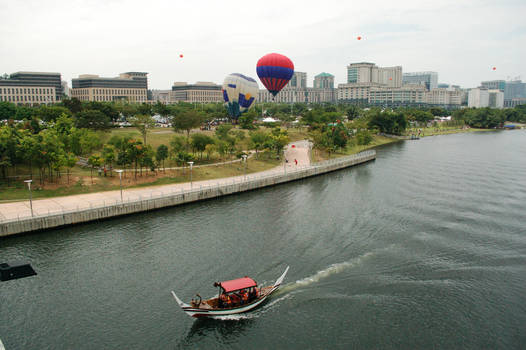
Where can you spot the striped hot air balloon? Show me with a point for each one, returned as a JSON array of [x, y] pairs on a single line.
[[239, 93], [274, 71]]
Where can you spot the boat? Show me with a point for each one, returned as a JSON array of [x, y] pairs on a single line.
[[234, 297]]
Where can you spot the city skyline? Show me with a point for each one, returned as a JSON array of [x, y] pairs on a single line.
[[108, 37]]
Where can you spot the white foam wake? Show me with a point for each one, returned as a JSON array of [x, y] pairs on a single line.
[[331, 270]]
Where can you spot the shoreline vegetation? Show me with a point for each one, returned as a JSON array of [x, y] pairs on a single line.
[[75, 147]]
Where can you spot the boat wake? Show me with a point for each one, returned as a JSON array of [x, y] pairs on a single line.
[[288, 290], [322, 274]]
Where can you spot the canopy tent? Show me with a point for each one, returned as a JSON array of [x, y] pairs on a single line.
[[237, 284]]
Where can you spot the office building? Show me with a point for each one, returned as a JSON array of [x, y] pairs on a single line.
[[514, 89], [394, 96], [444, 97], [494, 85], [324, 81], [355, 92], [297, 95], [130, 86], [495, 98], [365, 72], [427, 79], [163, 96], [202, 92], [31, 88], [478, 97], [298, 80]]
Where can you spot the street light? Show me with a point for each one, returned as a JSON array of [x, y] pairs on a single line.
[[120, 180], [244, 156], [30, 195], [191, 164]]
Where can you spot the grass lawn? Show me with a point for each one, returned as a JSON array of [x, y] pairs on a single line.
[[81, 181], [319, 155]]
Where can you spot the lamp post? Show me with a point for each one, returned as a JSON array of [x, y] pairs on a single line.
[[120, 180], [244, 156], [30, 195], [191, 164]]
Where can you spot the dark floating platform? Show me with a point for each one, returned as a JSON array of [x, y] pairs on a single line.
[[15, 270]]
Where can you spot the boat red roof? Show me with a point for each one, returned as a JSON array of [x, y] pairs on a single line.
[[237, 284]]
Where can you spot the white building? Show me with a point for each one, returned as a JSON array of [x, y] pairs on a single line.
[[478, 97], [365, 72], [495, 99]]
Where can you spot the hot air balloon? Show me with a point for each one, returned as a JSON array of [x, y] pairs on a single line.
[[239, 93], [181, 55], [494, 68], [359, 38], [274, 71]]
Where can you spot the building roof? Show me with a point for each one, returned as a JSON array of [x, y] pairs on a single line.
[[237, 284], [325, 75]]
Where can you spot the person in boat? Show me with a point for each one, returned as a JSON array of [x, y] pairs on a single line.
[[244, 296]]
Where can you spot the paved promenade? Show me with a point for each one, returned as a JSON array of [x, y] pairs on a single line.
[[298, 151]]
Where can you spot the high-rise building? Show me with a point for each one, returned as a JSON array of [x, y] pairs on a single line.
[[397, 96], [494, 85], [130, 86], [324, 81], [428, 79], [365, 72], [298, 80], [31, 88], [202, 92], [478, 97], [495, 98], [514, 89]]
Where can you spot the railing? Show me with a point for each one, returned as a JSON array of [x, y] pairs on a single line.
[[227, 185]]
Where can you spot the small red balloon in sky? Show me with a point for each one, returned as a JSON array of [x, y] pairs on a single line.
[[390, 78], [494, 68], [293, 146], [359, 38], [181, 55]]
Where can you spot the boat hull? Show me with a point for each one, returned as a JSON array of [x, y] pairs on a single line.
[[196, 311]]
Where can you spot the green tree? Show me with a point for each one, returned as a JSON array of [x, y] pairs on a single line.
[[199, 142], [92, 119], [94, 161], [7, 110], [223, 130], [69, 161], [162, 154], [258, 139], [187, 121], [143, 122], [108, 156]]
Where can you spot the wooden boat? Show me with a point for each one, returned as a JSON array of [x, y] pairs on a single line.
[[234, 297]]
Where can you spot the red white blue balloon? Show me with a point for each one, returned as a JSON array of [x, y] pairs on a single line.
[[274, 71]]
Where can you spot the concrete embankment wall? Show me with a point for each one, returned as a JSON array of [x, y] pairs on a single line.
[[222, 188]]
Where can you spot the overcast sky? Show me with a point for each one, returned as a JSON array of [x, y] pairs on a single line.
[[460, 39]]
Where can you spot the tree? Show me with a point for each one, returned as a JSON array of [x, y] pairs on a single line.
[[92, 119], [258, 139], [363, 137], [352, 112], [73, 104], [108, 156], [246, 120], [94, 161], [69, 161], [143, 122], [162, 154], [187, 121], [209, 149], [199, 142], [51, 113], [223, 130], [177, 144], [7, 110]]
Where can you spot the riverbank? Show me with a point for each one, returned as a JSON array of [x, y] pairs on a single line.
[[50, 213]]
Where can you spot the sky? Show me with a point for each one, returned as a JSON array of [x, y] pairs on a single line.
[[462, 40]]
